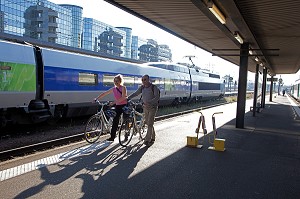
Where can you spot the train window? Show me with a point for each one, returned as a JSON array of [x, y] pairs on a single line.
[[88, 79], [138, 80], [168, 85], [108, 80], [171, 67], [128, 81], [156, 81], [208, 86], [175, 68], [163, 66]]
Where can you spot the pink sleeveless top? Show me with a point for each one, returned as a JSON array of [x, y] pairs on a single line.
[[118, 95]]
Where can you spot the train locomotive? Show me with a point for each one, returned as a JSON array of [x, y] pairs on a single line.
[[39, 83]]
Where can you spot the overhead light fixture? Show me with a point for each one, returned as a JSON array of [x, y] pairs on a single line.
[[238, 37], [261, 64], [215, 10], [256, 59]]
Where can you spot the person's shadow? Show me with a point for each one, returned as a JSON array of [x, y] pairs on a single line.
[[96, 163], [110, 177]]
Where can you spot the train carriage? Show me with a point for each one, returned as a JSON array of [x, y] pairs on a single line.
[[38, 84], [295, 90], [20, 88], [73, 80], [205, 85]]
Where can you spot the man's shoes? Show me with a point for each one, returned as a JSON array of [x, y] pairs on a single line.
[[147, 143], [110, 139]]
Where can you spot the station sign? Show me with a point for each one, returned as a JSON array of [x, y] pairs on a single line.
[[274, 79]]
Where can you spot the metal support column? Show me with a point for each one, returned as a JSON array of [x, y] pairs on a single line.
[[255, 90], [264, 86], [271, 89], [242, 86]]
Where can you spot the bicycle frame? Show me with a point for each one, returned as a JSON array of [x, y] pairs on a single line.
[[105, 122], [138, 124]]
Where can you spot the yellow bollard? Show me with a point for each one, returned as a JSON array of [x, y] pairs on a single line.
[[193, 141], [218, 144]]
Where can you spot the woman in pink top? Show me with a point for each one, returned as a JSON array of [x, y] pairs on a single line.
[[120, 94]]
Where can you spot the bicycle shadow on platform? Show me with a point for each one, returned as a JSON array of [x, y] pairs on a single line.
[[114, 169], [94, 163]]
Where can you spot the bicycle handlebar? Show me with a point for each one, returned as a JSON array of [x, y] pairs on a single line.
[[134, 103], [102, 103]]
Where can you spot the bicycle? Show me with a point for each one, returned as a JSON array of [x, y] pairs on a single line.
[[99, 124], [132, 124]]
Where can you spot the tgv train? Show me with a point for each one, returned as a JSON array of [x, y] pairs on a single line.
[[295, 90], [39, 84]]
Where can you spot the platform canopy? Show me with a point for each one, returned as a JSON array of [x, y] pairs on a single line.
[[272, 28]]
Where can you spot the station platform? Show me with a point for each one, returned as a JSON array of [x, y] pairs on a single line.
[[260, 161]]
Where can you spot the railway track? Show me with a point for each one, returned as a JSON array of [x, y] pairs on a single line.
[[32, 148]]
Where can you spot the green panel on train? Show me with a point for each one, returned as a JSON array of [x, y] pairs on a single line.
[[17, 77]]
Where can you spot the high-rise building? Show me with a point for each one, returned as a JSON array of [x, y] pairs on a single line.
[[137, 42], [149, 52], [1, 21], [38, 19], [41, 23], [128, 41], [76, 24], [100, 37], [64, 24], [164, 53]]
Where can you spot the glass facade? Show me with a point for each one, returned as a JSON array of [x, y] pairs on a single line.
[[64, 24], [39, 19], [149, 52], [164, 53], [100, 37], [76, 24], [128, 41], [137, 42]]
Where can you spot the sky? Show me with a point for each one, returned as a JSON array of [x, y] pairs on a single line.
[[102, 11]]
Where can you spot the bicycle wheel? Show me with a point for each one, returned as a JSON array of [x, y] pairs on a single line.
[[93, 129], [126, 132]]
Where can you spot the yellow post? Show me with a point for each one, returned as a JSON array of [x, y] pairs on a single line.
[[219, 144], [193, 141]]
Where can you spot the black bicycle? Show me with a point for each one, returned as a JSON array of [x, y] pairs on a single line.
[[133, 124]]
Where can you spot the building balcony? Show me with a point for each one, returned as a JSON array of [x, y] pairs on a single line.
[[52, 24], [118, 44], [52, 35], [40, 29], [53, 13], [37, 19]]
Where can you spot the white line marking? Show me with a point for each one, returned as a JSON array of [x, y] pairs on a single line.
[[25, 168]]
